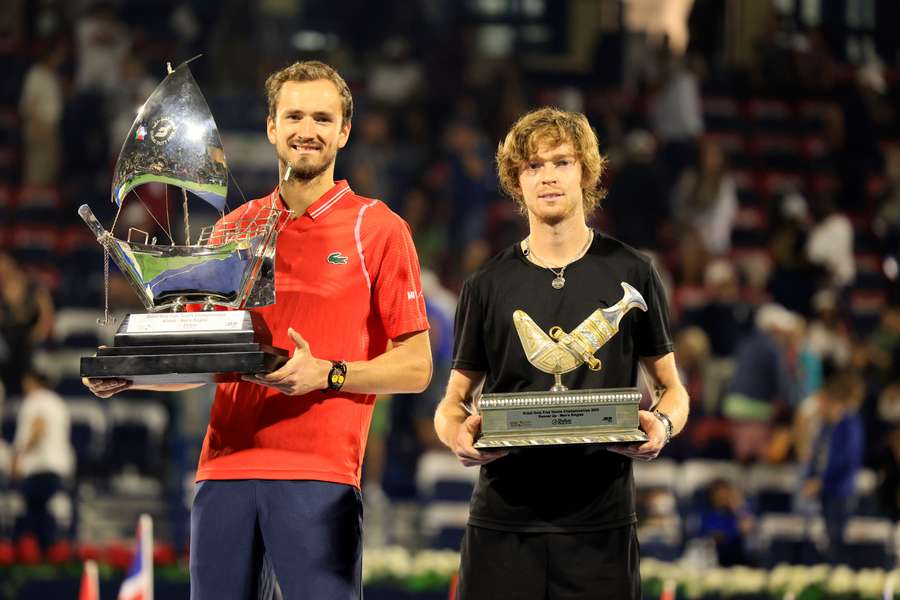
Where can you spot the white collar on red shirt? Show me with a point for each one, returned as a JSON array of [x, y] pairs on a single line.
[[320, 207]]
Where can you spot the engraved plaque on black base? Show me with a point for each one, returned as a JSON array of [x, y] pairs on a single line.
[[186, 348], [553, 418]]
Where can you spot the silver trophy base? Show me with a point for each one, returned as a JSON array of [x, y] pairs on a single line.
[[188, 347], [600, 416]]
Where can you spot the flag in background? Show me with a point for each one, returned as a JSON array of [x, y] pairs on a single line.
[[90, 586], [669, 589], [138, 584]]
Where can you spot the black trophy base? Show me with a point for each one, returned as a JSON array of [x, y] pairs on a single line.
[[190, 347], [199, 363]]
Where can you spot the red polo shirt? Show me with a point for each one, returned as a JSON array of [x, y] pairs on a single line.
[[346, 279]]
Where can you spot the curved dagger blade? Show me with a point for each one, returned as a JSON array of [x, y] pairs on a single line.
[[540, 349]]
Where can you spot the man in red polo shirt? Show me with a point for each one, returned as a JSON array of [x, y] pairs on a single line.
[[280, 466]]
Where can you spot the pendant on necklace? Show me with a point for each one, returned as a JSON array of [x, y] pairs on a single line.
[[558, 282]]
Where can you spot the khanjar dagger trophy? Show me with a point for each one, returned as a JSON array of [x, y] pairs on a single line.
[[563, 416]]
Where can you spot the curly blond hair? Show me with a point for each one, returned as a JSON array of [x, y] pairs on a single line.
[[309, 70], [549, 127]]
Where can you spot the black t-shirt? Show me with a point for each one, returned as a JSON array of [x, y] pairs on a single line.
[[557, 488]]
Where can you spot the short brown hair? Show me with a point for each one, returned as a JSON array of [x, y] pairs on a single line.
[[845, 387], [551, 126], [309, 70]]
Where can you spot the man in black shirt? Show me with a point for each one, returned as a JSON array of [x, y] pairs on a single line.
[[555, 521]]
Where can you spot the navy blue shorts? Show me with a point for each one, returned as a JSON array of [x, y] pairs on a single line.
[[311, 532]]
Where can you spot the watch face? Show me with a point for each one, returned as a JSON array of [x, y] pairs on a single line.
[[337, 375]]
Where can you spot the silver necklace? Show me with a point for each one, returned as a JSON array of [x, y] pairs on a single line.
[[560, 280]]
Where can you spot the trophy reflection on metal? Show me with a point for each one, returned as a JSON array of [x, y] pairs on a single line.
[[563, 416], [174, 141]]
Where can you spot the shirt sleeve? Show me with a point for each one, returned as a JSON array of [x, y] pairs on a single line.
[[652, 335], [396, 283], [469, 349]]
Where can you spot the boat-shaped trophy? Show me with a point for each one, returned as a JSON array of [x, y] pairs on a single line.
[[185, 336], [563, 416]]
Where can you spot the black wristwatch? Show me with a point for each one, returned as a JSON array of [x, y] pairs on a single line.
[[667, 423], [336, 376]]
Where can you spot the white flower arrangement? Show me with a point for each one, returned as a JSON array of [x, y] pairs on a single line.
[[423, 569], [396, 564]]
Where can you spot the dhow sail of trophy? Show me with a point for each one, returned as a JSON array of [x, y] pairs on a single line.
[[563, 416], [228, 265]]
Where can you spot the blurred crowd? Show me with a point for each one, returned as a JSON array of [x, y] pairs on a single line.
[[767, 189]]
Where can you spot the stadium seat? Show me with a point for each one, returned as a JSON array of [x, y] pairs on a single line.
[[89, 433], [9, 411], [867, 500], [770, 115], [792, 539], [696, 475], [772, 487], [661, 473], [444, 523], [441, 473], [137, 434], [868, 543], [77, 328], [722, 114]]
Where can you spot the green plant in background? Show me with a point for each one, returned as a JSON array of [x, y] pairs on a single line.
[[431, 571]]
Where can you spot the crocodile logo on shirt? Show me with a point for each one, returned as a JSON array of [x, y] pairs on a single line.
[[336, 258]]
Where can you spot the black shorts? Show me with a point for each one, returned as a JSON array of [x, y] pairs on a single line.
[[505, 565]]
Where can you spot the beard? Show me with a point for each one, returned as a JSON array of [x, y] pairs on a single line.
[[304, 170], [551, 218]]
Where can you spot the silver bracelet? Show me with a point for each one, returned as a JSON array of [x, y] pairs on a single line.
[[667, 423]]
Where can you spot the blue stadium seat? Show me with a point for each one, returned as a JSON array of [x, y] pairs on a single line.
[[771, 488], [137, 434], [793, 539], [88, 434]]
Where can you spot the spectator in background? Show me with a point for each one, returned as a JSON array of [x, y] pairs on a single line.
[[429, 232], [638, 205], [4, 359], [40, 110], [5, 452], [692, 350], [102, 43], [42, 456], [859, 154], [836, 457], [472, 183], [883, 346], [724, 316], [692, 258], [728, 521], [830, 244], [889, 476], [676, 112], [794, 278], [135, 86], [395, 77], [762, 381], [887, 221], [26, 320], [706, 199], [726, 319], [827, 335], [812, 66], [412, 415], [372, 157]]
